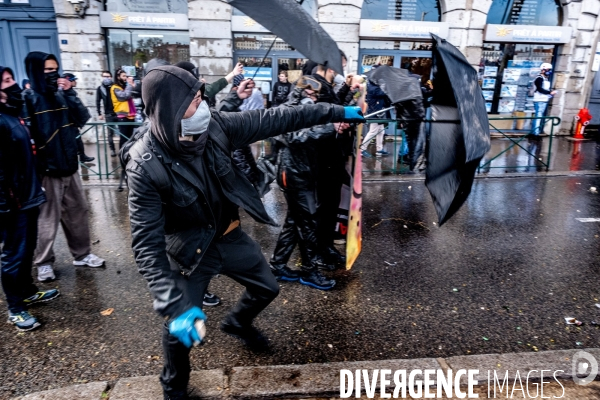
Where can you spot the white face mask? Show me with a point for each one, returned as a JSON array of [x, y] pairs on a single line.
[[197, 123]]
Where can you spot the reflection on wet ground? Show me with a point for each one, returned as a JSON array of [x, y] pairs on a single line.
[[528, 155], [499, 277]]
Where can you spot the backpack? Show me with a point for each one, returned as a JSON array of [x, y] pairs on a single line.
[[145, 157]]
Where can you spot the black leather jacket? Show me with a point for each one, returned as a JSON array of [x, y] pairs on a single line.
[[20, 186], [171, 231], [242, 157], [297, 160]]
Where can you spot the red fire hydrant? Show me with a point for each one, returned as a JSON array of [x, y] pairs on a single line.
[[583, 119]]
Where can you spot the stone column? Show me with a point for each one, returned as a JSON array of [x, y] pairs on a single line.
[[341, 19], [573, 74], [467, 19], [82, 49], [211, 47]]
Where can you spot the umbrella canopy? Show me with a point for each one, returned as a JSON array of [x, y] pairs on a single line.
[[288, 20], [404, 91], [456, 146], [397, 83]]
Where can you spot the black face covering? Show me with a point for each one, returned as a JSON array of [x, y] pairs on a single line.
[[14, 102], [52, 80]]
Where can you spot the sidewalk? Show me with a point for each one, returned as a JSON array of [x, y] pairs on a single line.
[[322, 381]]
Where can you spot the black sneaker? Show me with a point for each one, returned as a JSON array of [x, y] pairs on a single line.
[[176, 396], [211, 300], [85, 158], [42, 297], [283, 273], [251, 336], [316, 280]]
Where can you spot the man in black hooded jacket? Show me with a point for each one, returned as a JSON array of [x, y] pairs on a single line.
[[21, 195], [54, 118], [188, 230]]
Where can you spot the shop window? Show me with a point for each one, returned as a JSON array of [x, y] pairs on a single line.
[[525, 12], [259, 41], [148, 6], [134, 48], [394, 45], [507, 71], [407, 10]]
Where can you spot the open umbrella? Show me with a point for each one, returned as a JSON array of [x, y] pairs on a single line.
[[288, 20], [461, 136], [404, 92]]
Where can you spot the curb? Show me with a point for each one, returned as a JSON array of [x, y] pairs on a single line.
[[311, 380]]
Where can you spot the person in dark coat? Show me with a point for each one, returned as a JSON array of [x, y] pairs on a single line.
[[377, 100], [281, 89], [297, 175], [21, 195], [54, 118], [185, 232], [332, 172], [80, 149], [104, 101]]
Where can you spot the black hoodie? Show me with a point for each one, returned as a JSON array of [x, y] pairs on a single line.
[[53, 119]]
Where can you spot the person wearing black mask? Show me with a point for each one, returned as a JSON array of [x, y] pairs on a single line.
[[185, 228], [21, 195], [54, 118]]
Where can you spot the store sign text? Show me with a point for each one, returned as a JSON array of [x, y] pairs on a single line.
[[527, 34], [402, 29], [143, 20]]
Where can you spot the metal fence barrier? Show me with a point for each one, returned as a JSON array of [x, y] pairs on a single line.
[[108, 166]]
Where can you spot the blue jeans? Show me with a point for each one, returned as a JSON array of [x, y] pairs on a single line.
[[19, 232], [540, 111]]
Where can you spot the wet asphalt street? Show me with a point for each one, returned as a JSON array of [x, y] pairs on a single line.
[[501, 276]]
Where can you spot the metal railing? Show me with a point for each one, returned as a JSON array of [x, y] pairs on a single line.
[[103, 132], [108, 166]]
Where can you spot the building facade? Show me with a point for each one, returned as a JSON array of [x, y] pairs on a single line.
[[505, 40]]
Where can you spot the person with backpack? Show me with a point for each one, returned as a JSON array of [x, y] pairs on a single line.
[[103, 100], [541, 95], [184, 197], [21, 196]]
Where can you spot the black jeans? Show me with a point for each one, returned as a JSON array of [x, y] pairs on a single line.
[[18, 230], [239, 257], [300, 228]]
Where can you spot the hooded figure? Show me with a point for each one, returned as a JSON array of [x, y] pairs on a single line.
[[185, 229], [54, 118], [21, 195]]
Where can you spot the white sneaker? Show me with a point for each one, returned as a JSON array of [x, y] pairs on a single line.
[[45, 273], [91, 260]]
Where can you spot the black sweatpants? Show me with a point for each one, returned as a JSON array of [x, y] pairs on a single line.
[[239, 257]]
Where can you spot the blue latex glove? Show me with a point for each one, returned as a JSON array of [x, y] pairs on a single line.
[[183, 329], [353, 114]]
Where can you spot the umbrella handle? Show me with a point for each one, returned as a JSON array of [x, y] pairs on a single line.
[[263, 60]]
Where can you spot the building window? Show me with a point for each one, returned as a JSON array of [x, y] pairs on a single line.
[[525, 12], [407, 10], [259, 41], [137, 47]]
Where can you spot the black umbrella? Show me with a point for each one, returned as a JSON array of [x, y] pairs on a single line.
[[462, 137], [404, 91], [288, 20]]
